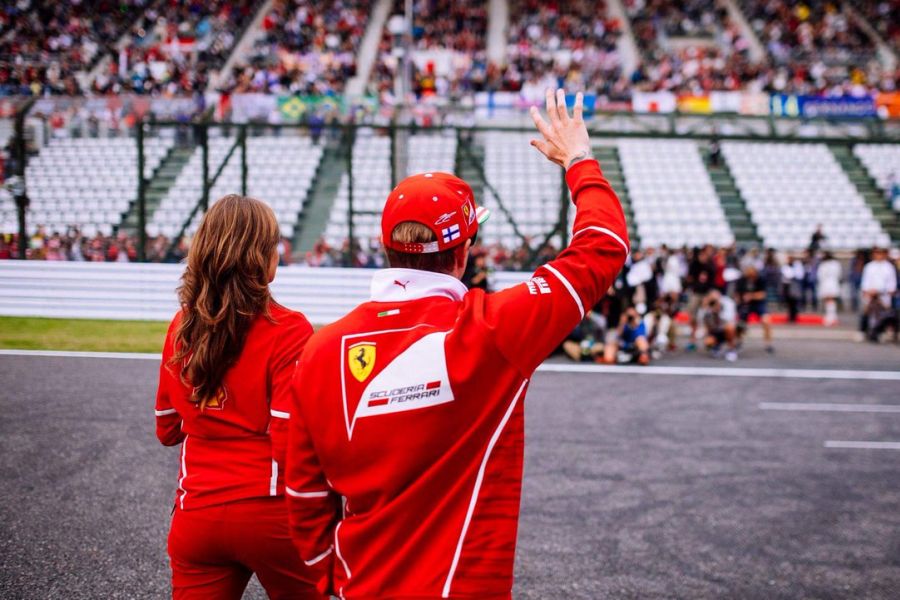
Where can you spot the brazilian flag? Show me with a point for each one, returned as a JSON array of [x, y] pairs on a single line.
[[291, 107]]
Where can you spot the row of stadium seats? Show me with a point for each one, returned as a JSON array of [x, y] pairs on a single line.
[[791, 188], [281, 171], [528, 186], [882, 161], [788, 189], [672, 195], [85, 182], [372, 179]]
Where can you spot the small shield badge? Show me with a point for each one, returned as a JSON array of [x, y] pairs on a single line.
[[361, 358]]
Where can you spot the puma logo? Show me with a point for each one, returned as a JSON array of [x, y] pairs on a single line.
[[403, 285]]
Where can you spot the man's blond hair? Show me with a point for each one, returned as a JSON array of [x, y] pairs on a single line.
[[411, 232]]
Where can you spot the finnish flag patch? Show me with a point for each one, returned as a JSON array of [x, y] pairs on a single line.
[[450, 233]]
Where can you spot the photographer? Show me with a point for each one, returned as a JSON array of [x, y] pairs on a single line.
[[632, 337], [751, 296], [719, 317]]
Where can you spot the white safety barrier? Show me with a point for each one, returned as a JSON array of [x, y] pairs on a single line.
[[125, 291]]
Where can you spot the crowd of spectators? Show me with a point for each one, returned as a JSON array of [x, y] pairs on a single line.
[[720, 292], [73, 245], [175, 48], [713, 56], [448, 39], [570, 43], [814, 46], [44, 45], [306, 48], [882, 15]]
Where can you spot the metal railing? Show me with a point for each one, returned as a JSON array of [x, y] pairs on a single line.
[[342, 135]]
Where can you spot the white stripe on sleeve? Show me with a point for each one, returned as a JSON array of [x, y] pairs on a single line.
[[608, 232], [163, 413], [569, 287], [280, 414]]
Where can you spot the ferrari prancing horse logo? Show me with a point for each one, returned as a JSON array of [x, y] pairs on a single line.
[[361, 358]]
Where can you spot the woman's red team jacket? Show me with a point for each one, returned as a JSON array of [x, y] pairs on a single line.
[[233, 449]]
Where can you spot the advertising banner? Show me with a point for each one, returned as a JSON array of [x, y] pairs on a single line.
[[888, 104], [823, 106], [653, 102]]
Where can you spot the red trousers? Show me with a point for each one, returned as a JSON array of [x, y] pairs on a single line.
[[215, 550]]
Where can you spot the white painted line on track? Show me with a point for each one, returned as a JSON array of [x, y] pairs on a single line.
[[862, 445], [723, 372], [74, 354], [830, 407], [568, 368]]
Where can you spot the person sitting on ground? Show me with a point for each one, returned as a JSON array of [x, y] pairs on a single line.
[[585, 343], [751, 297], [719, 318]]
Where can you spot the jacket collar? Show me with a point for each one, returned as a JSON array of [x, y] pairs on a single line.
[[400, 285]]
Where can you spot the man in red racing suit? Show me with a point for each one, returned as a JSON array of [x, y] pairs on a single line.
[[411, 408]]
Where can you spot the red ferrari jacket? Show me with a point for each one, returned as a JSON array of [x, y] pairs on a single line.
[[227, 449], [410, 408]]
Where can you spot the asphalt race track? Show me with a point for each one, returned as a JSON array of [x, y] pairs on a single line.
[[636, 486]]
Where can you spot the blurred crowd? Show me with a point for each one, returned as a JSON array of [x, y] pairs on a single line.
[[175, 48], [815, 47], [719, 292], [44, 44], [716, 58], [450, 36], [571, 41], [307, 48]]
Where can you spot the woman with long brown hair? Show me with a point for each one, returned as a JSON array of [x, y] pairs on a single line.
[[224, 395]]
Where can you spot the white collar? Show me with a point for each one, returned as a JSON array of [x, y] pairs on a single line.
[[400, 285]]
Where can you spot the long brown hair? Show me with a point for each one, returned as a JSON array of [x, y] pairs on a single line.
[[224, 288]]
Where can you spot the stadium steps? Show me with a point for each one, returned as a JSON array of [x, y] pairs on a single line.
[[319, 200], [465, 170], [158, 186], [868, 189], [732, 203], [608, 156]]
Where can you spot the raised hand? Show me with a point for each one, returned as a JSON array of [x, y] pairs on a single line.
[[566, 139]]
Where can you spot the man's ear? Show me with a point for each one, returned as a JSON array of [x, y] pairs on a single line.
[[463, 256]]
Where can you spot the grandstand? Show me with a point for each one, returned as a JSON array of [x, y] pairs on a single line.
[[88, 183], [738, 135], [790, 189], [672, 194], [281, 171]]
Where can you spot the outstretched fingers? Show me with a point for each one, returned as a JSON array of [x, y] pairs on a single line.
[[552, 113], [540, 123], [561, 106], [578, 110]]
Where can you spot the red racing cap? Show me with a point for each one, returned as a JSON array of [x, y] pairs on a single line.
[[442, 202]]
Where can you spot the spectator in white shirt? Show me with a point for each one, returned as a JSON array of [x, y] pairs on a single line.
[[829, 277], [879, 278], [879, 282]]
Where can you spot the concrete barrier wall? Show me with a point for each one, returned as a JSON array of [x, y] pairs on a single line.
[[125, 291]]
